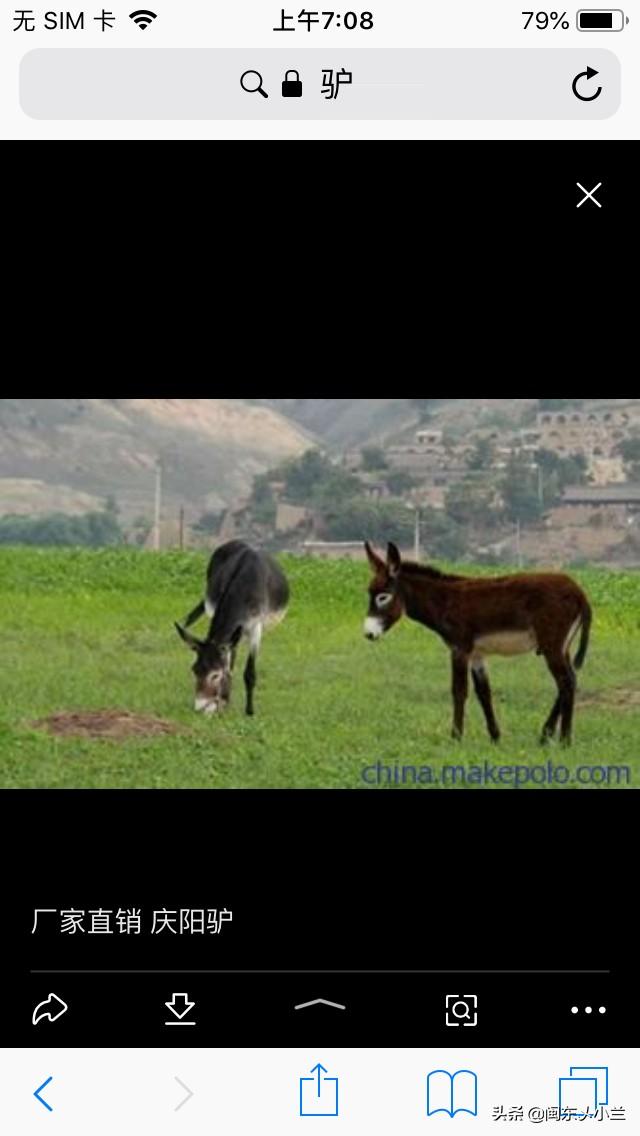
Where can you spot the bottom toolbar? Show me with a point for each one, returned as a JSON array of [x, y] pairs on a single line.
[[344, 1008], [278, 1090]]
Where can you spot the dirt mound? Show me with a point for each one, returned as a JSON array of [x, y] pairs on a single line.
[[621, 698], [112, 725]]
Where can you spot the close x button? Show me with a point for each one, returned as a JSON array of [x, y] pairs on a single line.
[[588, 196]]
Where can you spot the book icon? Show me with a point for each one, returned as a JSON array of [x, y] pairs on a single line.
[[452, 1093]]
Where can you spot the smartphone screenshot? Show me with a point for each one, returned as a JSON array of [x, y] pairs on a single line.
[[319, 727]]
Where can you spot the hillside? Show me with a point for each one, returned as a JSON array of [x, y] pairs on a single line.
[[348, 422], [71, 453], [343, 423]]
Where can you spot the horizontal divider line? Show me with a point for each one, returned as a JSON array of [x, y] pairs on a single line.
[[335, 973]]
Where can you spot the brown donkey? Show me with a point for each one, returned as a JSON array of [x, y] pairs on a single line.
[[511, 615]]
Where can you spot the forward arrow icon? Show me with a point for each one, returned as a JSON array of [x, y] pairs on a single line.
[[187, 1090]]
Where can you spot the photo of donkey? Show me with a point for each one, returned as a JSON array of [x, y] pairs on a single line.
[[475, 618], [98, 694], [246, 592]]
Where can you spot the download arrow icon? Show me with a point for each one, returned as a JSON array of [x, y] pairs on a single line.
[[51, 1010], [180, 1007]]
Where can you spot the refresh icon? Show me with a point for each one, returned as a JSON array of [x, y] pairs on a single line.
[[588, 75]]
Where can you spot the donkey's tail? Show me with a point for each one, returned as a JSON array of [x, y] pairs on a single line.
[[587, 623]]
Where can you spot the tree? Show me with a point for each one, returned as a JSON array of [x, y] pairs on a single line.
[[102, 530], [398, 483], [482, 455], [381, 522], [520, 490], [630, 450], [559, 472], [303, 475], [471, 504], [443, 538], [209, 523], [140, 530], [374, 459], [93, 530], [263, 503], [309, 480], [369, 520]]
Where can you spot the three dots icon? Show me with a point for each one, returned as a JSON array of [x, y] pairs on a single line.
[[588, 1010]]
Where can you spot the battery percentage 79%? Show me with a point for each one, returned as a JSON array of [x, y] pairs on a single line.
[[546, 21]]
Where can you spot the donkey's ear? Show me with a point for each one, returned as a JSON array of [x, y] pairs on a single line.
[[188, 638], [394, 559], [376, 562]]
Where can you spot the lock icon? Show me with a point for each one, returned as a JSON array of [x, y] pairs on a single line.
[[292, 87]]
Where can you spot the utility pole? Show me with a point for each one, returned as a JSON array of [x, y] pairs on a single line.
[[540, 484], [519, 543], [158, 508], [417, 534], [182, 528]]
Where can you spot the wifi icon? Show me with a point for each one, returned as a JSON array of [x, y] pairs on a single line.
[[143, 19]]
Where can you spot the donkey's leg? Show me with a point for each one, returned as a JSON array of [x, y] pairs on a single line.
[[551, 724], [251, 681], [195, 615], [251, 670], [485, 697], [564, 674], [567, 718], [460, 692]]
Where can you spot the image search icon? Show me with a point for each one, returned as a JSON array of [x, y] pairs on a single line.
[[462, 1011]]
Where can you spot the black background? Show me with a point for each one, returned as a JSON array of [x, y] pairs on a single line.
[[375, 882], [407, 881]]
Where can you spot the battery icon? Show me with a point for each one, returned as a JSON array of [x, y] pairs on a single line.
[[601, 20]]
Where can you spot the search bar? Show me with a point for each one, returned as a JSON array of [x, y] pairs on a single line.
[[393, 84]]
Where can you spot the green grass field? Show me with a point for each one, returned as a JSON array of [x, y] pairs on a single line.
[[87, 631]]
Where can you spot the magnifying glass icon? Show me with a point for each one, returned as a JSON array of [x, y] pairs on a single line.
[[461, 1011], [253, 83]]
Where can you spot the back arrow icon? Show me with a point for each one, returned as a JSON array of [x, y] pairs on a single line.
[[40, 1099], [588, 74], [52, 1009]]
